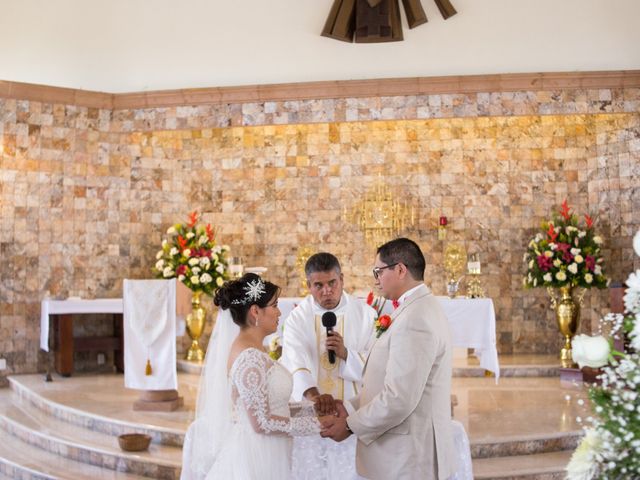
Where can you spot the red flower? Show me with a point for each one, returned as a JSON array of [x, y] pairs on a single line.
[[395, 304], [552, 233], [182, 242], [210, 233], [590, 263], [370, 298], [193, 219], [565, 211], [181, 270], [385, 321], [589, 221]]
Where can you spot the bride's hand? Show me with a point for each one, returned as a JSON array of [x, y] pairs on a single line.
[[325, 404]]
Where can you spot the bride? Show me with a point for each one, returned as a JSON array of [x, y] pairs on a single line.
[[244, 423]]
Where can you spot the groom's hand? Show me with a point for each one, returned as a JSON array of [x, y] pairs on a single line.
[[324, 404], [335, 428]]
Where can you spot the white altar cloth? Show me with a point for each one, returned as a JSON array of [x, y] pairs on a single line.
[[70, 306]]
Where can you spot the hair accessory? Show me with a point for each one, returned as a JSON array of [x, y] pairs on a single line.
[[253, 291]]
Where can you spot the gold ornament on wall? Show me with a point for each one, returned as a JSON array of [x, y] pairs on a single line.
[[379, 215], [455, 258]]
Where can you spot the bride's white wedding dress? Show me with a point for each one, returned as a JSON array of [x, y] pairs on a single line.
[[259, 442]]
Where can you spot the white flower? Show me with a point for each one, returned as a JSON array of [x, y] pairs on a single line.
[[214, 257], [597, 270], [553, 246], [575, 251], [191, 235], [225, 248], [195, 280], [635, 334], [181, 278], [530, 263], [174, 251], [167, 272], [219, 281], [578, 259], [220, 269], [195, 270], [588, 277], [186, 253], [582, 234], [205, 278], [598, 240], [571, 228], [204, 262], [557, 262], [535, 282], [217, 249], [274, 343], [561, 276], [547, 277], [590, 351], [573, 268], [582, 465], [159, 254], [159, 264], [193, 261], [164, 242], [202, 240], [636, 243], [548, 253], [171, 230]]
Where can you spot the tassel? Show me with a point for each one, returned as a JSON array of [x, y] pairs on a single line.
[[148, 370]]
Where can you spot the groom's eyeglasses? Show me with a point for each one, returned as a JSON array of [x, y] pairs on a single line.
[[378, 270]]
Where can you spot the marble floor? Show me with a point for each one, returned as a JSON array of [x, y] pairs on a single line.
[[517, 421]]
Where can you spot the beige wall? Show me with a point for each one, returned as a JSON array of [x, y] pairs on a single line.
[[135, 45], [86, 193]]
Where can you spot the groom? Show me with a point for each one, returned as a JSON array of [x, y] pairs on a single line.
[[402, 416]]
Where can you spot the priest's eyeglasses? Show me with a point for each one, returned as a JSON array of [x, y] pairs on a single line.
[[376, 271]]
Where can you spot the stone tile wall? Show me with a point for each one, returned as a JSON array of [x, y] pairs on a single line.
[[86, 193]]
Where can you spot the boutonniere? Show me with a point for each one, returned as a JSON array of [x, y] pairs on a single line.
[[382, 324]]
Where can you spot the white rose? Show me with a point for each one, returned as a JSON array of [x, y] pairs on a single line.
[[582, 234], [597, 270], [186, 253], [171, 230], [561, 276], [588, 277], [219, 281], [205, 278], [220, 269], [573, 268], [195, 270], [204, 261], [557, 262], [575, 251], [597, 239], [578, 259], [590, 351], [548, 253], [193, 261], [159, 264], [636, 243], [547, 277], [181, 278], [191, 235], [159, 254], [195, 280], [553, 246], [174, 251], [167, 272]]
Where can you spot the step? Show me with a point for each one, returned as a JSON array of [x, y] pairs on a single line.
[[539, 466], [36, 428], [31, 390], [503, 447], [19, 460]]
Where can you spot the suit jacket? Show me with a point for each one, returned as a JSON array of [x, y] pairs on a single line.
[[402, 416]]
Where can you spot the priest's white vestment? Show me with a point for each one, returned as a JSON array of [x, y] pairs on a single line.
[[304, 354]]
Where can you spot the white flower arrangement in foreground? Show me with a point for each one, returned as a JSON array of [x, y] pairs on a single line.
[[611, 446]]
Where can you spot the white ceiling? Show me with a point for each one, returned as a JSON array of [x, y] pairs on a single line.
[[137, 45]]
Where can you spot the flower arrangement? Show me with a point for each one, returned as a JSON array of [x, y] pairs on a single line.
[[275, 347], [611, 446], [190, 253], [565, 254]]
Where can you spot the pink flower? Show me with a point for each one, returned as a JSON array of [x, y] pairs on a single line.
[[590, 262], [545, 263]]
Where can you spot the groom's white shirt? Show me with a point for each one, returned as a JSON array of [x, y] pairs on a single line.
[[402, 416]]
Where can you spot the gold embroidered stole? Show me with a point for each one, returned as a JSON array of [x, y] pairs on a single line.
[[329, 379]]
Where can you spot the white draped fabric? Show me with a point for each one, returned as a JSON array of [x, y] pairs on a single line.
[[150, 334]]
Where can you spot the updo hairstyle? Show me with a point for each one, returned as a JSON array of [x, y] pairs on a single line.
[[234, 296]]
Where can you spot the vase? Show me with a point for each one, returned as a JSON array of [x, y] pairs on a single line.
[[195, 326], [567, 311]]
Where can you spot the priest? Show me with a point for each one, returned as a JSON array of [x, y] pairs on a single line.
[[326, 365]]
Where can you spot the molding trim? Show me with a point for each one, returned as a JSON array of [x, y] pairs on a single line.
[[460, 84]]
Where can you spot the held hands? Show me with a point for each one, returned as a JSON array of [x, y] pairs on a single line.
[[324, 404], [335, 342], [335, 427]]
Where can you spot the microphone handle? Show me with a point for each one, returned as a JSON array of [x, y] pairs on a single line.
[[331, 353]]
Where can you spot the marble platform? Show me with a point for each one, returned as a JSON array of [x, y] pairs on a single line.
[[524, 427]]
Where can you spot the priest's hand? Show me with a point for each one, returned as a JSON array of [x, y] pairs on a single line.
[[335, 342]]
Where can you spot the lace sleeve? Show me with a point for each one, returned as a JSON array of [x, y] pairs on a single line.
[[250, 379]]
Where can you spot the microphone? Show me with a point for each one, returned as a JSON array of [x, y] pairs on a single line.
[[328, 322]]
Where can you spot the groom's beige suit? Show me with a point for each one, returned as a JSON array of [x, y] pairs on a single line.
[[402, 416]]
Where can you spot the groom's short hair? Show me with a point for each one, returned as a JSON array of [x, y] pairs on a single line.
[[407, 252], [322, 262]]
